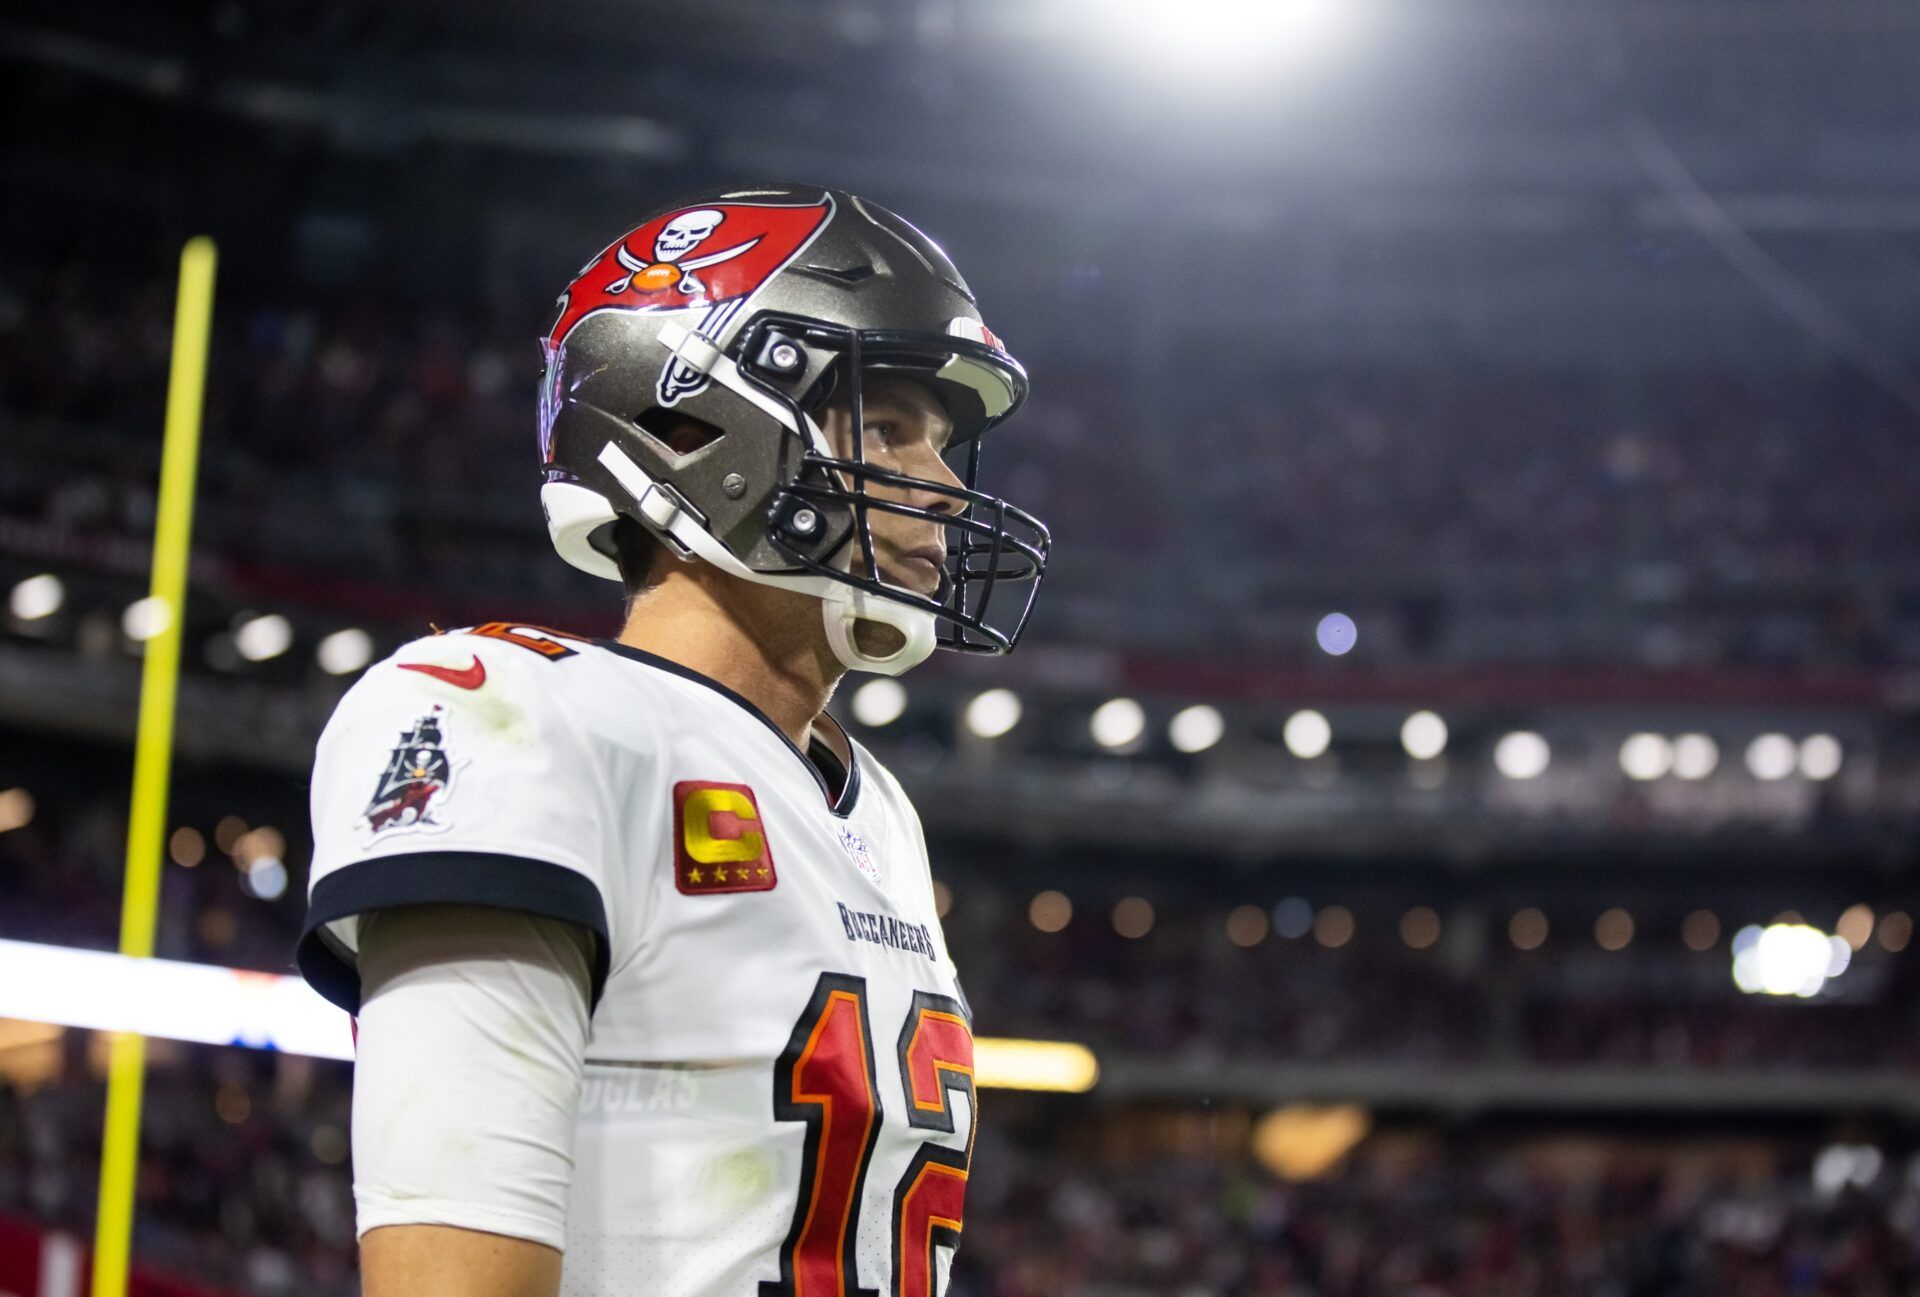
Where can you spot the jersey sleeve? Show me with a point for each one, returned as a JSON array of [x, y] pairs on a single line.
[[453, 773]]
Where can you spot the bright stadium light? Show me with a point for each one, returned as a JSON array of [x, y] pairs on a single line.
[[1336, 634], [1772, 757], [1522, 755], [880, 701], [1423, 735], [993, 713], [145, 618], [1117, 722], [1646, 756], [1307, 734], [37, 597], [163, 997], [1009, 1064], [231, 1006], [1196, 728], [344, 652], [1820, 756], [1787, 959], [1230, 38], [1695, 756], [261, 638]]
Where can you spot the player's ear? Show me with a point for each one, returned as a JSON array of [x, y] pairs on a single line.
[[676, 432]]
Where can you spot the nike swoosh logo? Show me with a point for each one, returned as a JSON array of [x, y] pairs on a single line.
[[465, 677]]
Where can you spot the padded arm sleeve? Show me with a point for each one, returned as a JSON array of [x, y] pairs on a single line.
[[467, 1072]]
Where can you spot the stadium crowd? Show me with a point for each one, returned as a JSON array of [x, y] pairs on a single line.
[[1532, 516], [1186, 991], [245, 1187]]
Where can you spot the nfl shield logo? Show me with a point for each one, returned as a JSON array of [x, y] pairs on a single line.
[[857, 851]]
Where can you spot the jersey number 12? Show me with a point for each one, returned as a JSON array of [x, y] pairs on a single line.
[[826, 1079]]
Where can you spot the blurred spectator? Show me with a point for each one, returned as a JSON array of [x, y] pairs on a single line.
[[1684, 518]]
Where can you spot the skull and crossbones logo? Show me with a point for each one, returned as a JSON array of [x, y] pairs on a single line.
[[676, 239]]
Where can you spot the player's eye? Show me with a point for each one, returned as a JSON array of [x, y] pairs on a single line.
[[887, 434]]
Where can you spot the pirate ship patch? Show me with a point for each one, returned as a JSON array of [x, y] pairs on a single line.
[[413, 789]]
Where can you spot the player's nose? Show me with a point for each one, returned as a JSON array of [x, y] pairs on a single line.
[[934, 470]]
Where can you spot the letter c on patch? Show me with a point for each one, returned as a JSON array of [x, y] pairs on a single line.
[[713, 827]]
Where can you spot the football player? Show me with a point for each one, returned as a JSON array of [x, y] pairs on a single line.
[[650, 988]]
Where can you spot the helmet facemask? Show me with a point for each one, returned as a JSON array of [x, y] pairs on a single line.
[[990, 544]]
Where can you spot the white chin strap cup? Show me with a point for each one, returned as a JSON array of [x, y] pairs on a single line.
[[844, 608]]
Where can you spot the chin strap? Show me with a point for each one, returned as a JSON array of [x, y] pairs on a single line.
[[844, 608]]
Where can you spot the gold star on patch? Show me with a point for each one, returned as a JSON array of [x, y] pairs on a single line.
[[693, 875], [764, 871], [719, 872]]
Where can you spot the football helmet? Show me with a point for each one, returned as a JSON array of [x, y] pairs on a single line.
[[749, 310]]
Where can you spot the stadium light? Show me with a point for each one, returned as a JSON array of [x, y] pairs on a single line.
[[164, 997], [1133, 917], [1420, 927], [1333, 926], [1527, 929], [145, 618], [259, 639], [266, 878], [1117, 722], [1307, 734], [1055, 1065], [1613, 930], [1856, 926], [1695, 756], [1247, 926], [1293, 918], [16, 809], [344, 652], [1303, 1141], [1050, 911], [99, 991], [993, 713], [1771, 757], [187, 847], [1336, 634], [1222, 39], [1522, 755], [1196, 728], [1787, 959], [880, 701], [1820, 756], [1423, 735], [1646, 756], [1701, 930], [37, 597]]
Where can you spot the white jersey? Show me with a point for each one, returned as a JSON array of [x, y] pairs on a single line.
[[778, 1099]]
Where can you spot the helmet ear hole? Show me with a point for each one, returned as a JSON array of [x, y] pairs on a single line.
[[676, 437]]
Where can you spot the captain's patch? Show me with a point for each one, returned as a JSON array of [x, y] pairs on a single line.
[[719, 842]]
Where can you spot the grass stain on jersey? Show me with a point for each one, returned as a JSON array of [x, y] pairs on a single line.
[[739, 1180]]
